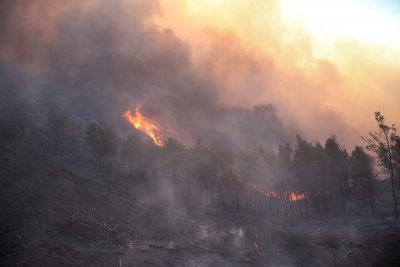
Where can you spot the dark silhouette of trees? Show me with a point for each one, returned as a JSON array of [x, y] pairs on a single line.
[[285, 183], [210, 171], [249, 174], [320, 173], [336, 170], [361, 173], [132, 153], [172, 159], [305, 169], [382, 143], [307, 180], [102, 142], [132, 147]]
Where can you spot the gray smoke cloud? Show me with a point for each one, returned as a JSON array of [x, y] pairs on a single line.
[[99, 58]]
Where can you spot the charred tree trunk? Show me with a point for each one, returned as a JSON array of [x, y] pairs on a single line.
[[371, 196], [343, 204]]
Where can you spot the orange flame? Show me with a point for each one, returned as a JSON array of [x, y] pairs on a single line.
[[144, 125], [295, 197]]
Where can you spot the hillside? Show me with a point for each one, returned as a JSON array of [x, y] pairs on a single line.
[[63, 209]]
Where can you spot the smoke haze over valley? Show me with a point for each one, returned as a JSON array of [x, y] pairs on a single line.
[[199, 133]]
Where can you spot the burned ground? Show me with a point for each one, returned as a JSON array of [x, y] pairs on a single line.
[[62, 209]]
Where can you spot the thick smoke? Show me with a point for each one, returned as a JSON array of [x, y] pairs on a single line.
[[99, 58], [256, 51]]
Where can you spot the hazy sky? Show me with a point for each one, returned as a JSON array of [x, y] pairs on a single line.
[[325, 66], [328, 65]]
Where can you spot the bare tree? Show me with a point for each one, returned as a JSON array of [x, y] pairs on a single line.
[[382, 143], [397, 159]]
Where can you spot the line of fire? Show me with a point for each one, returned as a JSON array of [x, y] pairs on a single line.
[[152, 129]]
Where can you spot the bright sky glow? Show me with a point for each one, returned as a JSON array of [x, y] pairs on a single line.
[[332, 21]]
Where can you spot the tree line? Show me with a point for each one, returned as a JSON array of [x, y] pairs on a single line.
[[302, 180]]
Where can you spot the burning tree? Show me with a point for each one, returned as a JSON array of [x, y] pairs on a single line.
[[145, 125]]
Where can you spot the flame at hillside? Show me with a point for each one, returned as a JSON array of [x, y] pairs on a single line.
[[274, 194], [145, 125]]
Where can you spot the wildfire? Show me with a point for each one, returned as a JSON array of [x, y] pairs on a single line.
[[145, 125], [295, 197]]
